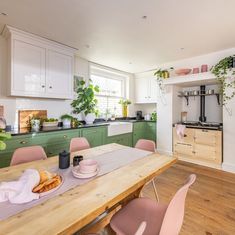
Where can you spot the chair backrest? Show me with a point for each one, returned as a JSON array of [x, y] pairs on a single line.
[[28, 154], [79, 143], [147, 145], [174, 216]]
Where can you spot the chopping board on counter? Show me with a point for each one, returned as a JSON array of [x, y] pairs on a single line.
[[24, 117], [1, 111]]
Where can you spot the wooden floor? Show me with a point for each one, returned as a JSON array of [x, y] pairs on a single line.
[[210, 203]]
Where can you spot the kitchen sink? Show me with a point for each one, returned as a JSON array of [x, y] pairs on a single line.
[[119, 128]]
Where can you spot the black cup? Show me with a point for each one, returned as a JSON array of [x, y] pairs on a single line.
[[76, 160], [64, 160]]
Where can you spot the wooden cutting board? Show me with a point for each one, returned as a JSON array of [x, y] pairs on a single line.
[[25, 115], [1, 110]]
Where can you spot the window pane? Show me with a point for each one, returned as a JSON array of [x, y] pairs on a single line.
[[114, 107], [114, 87], [101, 82]]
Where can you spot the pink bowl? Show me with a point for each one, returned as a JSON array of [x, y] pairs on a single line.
[[183, 71], [88, 166]]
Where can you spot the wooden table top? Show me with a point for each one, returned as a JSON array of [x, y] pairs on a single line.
[[72, 210]]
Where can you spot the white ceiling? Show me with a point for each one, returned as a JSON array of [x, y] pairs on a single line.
[[117, 34]]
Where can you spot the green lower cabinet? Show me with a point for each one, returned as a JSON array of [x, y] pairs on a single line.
[[144, 130], [150, 131], [5, 158], [125, 139], [54, 150], [96, 136]]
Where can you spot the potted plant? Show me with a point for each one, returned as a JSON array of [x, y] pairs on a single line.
[[50, 122], [66, 119], [86, 102], [225, 74], [125, 103], [35, 123], [3, 136]]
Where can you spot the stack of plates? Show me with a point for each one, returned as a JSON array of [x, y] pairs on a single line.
[[86, 169]]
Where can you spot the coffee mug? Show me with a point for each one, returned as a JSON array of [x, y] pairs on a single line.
[[77, 159]]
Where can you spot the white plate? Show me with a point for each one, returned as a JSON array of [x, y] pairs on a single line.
[[78, 174], [52, 190]]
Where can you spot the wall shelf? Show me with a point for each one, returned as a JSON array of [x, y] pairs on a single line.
[[198, 79], [187, 97]]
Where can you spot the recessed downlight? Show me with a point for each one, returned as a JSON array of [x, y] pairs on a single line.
[[87, 46], [181, 48], [144, 17], [130, 62]]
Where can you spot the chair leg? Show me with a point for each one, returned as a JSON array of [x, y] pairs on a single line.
[[155, 190]]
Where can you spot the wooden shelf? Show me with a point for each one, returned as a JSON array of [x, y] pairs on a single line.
[[198, 79]]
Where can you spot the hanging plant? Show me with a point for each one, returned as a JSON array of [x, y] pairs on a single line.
[[225, 74], [162, 74]]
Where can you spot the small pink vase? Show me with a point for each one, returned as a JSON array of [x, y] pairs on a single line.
[[204, 68], [195, 70]]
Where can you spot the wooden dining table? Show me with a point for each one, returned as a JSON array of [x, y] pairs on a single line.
[[88, 207]]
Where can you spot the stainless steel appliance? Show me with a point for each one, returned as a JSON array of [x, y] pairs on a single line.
[[139, 115]]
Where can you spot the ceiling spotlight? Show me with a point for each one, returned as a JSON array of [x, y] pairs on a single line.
[[144, 17], [130, 62], [182, 48], [3, 14], [87, 46]]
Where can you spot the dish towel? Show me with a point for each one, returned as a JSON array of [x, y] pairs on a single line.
[[18, 192], [180, 129]]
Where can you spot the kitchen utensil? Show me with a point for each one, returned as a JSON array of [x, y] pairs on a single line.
[[88, 166], [182, 71], [64, 160], [210, 92], [77, 160], [204, 68], [196, 70], [186, 93], [195, 92]]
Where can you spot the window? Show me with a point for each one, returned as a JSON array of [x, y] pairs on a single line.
[[112, 88]]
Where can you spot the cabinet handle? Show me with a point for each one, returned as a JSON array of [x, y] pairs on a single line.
[[65, 136], [185, 135], [204, 130], [23, 142], [50, 87], [193, 152], [43, 86]]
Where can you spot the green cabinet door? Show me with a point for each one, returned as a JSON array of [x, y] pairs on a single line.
[[125, 139], [138, 131], [5, 158], [96, 136], [151, 131]]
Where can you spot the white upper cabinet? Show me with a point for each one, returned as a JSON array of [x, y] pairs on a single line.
[[38, 67], [59, 73], [145, 89]]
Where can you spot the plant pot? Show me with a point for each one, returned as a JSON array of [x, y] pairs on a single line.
[[90, 118], [35, 125], [67, 123], [124, 111]]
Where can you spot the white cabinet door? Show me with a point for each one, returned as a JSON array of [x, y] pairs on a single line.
[[59, 75], [152, 90], [28, 69], [141, 90]]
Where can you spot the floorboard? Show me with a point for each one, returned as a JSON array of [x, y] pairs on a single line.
[[210, 203]]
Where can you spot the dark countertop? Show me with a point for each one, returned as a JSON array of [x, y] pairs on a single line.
[[51, 129]]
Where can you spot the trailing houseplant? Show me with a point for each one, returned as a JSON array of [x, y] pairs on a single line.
[[160, 75], [3, 137], [86, 102], [225, 74], [125, 103]]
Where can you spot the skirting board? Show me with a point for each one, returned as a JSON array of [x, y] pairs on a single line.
[[228, 167]]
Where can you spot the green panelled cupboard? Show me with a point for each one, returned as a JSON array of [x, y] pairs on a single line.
[[56, 141]]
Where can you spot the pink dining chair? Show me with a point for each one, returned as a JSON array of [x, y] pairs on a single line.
[[147, 145], [79, 143], [150, 146], [28, 154], [160, 219]]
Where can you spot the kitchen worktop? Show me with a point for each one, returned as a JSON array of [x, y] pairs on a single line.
[[96, 124]]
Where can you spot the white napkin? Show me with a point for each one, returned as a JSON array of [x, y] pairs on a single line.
[[20, 191]]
